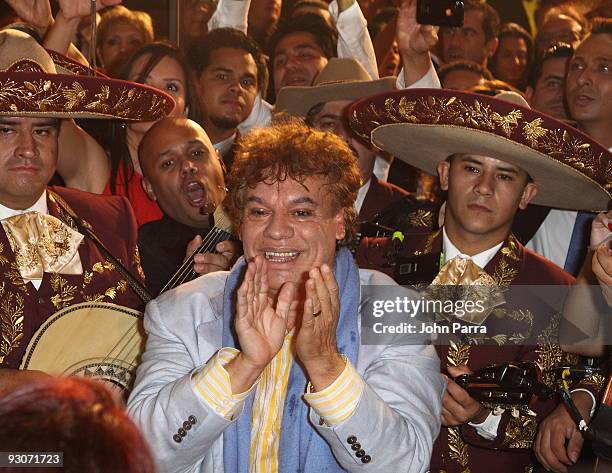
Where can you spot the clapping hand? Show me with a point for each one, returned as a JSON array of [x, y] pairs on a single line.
[[316, 339], [260, 324]]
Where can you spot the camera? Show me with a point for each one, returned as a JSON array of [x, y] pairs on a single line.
[[440, 12]]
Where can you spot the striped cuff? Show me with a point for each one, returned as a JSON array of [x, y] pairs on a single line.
[[212, 384], [338, 401]]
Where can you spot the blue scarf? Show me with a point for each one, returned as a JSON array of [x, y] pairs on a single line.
[[301, 448]]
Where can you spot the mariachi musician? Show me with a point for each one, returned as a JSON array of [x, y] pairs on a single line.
[[185, 175], [48, 257], [493, 157]]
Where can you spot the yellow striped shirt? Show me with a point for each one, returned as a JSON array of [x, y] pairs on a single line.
[[334, 404], [212, 383]]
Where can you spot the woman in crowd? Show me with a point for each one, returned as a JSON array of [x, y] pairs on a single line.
[[120, 32], [117, 171], [514, 56]]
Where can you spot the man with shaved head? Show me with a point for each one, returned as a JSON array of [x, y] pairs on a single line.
[[184, 174]]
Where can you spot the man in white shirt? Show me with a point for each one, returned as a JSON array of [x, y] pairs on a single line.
[[564, 235]]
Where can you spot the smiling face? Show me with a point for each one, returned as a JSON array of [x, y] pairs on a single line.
[[297, 60], [484, 194], [182, 171], [293, 225], [589, 83]]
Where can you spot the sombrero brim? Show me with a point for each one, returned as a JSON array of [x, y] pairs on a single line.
[[424, 126], [424, 146], [38, 94], [298, 101]]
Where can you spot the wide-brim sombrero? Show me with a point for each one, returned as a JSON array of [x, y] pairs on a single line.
[[425, 126], [35, 82], [340, 79]]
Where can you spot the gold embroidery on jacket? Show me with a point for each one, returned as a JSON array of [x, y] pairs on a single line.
[[11, 321], [504, 274], [548, 351], [65, 293], [137, 264], [520, 432], [458, 449], [458, 353], [3, 259], [511, 249]]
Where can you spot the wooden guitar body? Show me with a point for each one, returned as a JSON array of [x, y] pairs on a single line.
[[92, 339]]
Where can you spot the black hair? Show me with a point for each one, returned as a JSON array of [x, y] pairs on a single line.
[[117, 144], [200, 50], [325, 36], [464, 65], [558, 50], [490, 21]]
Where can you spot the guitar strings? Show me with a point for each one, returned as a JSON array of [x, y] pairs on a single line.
[[213, 237], [209, 243]]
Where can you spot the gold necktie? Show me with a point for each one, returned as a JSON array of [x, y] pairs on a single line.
[[472, 284], [43, 243]]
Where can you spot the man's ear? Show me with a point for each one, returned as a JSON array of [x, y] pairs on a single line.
[[148, 188], [443, 172], [529, 192], [491, 47], [529, 93]]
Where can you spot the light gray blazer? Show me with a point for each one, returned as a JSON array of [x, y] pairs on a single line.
[[396, 420]]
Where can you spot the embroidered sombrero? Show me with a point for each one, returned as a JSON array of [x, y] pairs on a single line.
[[424, 126], [35, 82], [340, 79]]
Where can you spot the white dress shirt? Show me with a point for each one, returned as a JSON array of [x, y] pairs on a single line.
[[552, 240], [488, 428], [224, 146], [361, 194]]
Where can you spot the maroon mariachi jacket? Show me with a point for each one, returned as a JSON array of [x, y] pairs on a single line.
[[23, 308], [520, 330], [380, 194]]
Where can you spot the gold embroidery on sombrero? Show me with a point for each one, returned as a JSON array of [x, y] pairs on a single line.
[[558, 143], [574, 152], [74, 67], [49, 96]]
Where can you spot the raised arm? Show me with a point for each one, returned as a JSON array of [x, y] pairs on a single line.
[[82, 162], [353, 37], [414, 42]]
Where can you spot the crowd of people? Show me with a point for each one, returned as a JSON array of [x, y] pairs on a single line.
[[253, 188]]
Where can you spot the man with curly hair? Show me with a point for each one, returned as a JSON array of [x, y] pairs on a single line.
[[263, 368]]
